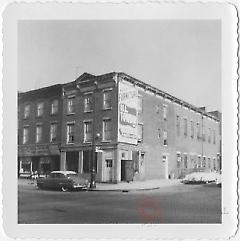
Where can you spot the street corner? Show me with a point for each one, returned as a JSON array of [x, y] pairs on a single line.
[[149, 210]]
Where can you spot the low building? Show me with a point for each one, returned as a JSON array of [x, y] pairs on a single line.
[[127, 129]]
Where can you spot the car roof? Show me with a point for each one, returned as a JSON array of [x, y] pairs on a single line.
[[64, 172]]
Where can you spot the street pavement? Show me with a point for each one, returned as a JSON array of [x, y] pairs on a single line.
[[168, 204]]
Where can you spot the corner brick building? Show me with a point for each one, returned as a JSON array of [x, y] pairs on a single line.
[[137, 131]]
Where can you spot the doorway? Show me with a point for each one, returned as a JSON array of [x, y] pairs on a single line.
[[165, 166], [126, 170], [108, 170]]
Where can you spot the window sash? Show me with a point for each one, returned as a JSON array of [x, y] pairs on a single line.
[[185, 127], [70, 133], [107, 99], [26, 111], [53, 132], [107, 129], [38, 133], [165, 142], [209, 135], [178, 125], [88, 103], [164, 112], [71, 105], [88, 131], [25, 135], [192, 129], [40, 109], [140, 132], [198, 131], [54, 107], [178, 160]]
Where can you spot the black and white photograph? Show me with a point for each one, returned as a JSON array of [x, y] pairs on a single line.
[[121, 120]]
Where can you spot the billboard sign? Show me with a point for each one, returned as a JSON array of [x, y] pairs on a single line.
[[127, 113]]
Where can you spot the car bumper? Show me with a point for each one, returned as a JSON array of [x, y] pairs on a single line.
[[76, 186]]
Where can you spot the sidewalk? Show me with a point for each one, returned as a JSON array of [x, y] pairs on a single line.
[[136, 185], [122, 186]]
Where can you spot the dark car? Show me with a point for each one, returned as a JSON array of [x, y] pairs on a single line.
[[63, 180]]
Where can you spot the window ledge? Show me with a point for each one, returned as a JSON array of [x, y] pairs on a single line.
[[88, 111], [73, 113], [70, 143], [106, 141]]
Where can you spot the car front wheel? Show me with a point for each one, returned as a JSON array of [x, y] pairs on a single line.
[[64, 188]]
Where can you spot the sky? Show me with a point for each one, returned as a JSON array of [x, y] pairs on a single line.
[[180, 57]]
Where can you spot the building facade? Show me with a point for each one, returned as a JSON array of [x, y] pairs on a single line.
[[132, 131], [39, 130]]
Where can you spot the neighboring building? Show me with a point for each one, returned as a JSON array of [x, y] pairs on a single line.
[[139, 132], [39, 130]]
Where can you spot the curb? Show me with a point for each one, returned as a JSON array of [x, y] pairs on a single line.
[[123, 190]]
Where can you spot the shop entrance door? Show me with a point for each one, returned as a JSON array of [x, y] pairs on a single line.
[[108, 170], [126, 170]]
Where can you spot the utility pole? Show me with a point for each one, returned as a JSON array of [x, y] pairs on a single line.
[[93, 161]]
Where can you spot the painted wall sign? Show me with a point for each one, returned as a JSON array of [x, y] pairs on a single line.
[[127, 113]]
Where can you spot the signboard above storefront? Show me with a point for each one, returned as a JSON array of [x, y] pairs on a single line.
[[38, 150]]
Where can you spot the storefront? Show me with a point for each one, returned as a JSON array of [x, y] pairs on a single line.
[[42, 159]]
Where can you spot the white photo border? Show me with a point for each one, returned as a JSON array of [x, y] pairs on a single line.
[[225, 12]]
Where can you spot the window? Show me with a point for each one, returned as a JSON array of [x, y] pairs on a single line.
[[214, 137], [165, 142], [204, 162], [107, 99], [25, 134], [198, 131], [70, 104], [53, 132], [70, 133], [214, 164], [185, 161], [209, 135], [178, 160], [140, 132], [140, 104], [88, 103], [107, 128], [185, 127], [54, 107], [40, 109], [38, 134], [164, 112], [209, 162], [178, 125], [199, 164], [192, 129], [26, 111], [108, 162], [87, 131]]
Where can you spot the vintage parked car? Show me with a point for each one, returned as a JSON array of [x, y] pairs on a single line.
[[63, 180], [202, 178]]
